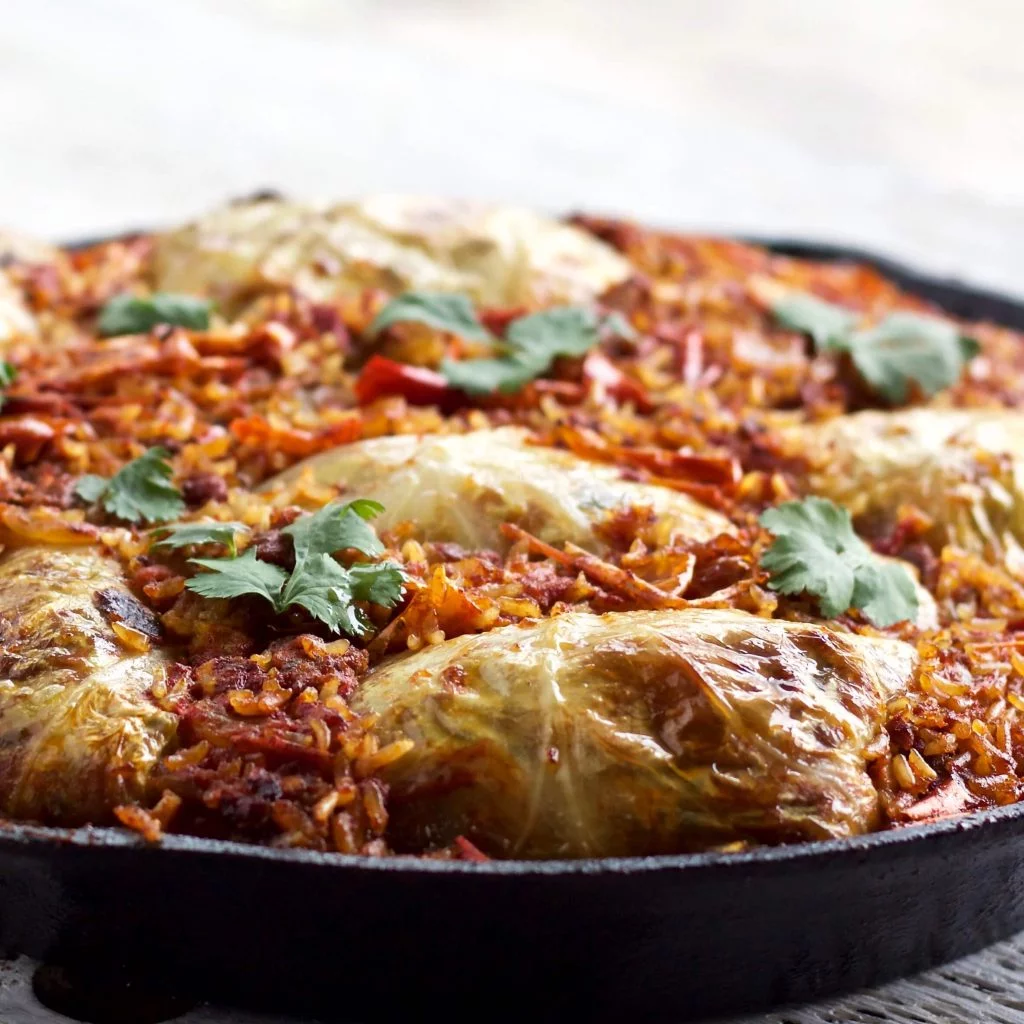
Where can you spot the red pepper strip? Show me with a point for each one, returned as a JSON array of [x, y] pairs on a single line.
[[418, 386], [600, 371]]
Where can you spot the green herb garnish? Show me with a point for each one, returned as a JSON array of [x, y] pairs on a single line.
[[816, 551], [903, 349], [135, 314], [907, 349], [441, 310], [326, 589], [139, 491], [8, 375], [487, 376], [823, 321], [235, 577], [182, 535], [336, 526], [530, 346]]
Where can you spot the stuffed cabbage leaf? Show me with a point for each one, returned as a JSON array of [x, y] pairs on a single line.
[[462, 487], [498, 255], [636, 733], [963, 467], [79, 732]]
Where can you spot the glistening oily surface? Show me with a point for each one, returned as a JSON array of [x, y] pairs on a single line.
[[409, 526]]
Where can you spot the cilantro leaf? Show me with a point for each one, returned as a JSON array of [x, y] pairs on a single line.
[[442, 310], [141, 490], [337, 525], [817, 551], [903, 349], [530, 346], [322, 588], [326, 590], [136, 314], [377, 582], [486, 376], [907, 348], [813, 539], [181, 535], [235, 577], [91, 487], [354, 621], [559, 331], [799, 564], [885, 593], [824, 322]]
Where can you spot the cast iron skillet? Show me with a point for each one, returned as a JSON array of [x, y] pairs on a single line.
[[671, 938]]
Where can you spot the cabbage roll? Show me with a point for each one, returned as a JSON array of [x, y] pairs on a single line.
[[79, 732], [636, 733], [963, 467], [462, 487], [498, 255]]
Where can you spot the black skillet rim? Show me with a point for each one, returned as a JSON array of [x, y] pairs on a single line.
[[957, 297]]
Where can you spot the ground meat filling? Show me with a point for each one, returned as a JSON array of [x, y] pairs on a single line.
[[270, 752]]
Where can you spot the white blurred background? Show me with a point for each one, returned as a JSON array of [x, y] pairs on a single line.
[[894, 124]]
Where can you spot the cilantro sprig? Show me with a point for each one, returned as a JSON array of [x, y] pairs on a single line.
[[443, 311], [823, 321], [529, 348], [237, 576], [338, 525], [137, 314], [907, 349], [318, 583], [901, 351], [816, 551], [182, 535], [140, 491]]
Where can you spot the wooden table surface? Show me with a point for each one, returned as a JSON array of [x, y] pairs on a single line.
[[896, 125]]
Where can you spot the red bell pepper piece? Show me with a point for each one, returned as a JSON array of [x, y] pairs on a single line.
[[416, 384]]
